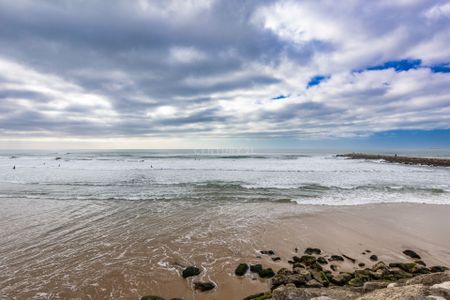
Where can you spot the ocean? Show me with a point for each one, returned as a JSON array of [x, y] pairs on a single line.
[[107, 223]]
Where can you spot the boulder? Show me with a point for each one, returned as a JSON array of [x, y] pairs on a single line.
[[266, 273], [361, 265], [190, 271], [336, 258], [413, 267], [204, 286], [373, 257], [290, 292], [374, 285], [314, 284], [267, 252], [241, 269], [341, 279], [404, 292], [256, 268], [430, 279], [435, 269], [321, 260], [296, 279], [311, 251], [276, 258], [380, 266], [307, 260], [411, 254], [441, 289]]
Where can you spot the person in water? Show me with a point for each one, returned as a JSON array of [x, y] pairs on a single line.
[[14, 167]]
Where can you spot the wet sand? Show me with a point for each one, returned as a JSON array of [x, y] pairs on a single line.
[[131, 266]]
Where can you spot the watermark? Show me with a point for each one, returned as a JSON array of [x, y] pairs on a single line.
[[225, 151]]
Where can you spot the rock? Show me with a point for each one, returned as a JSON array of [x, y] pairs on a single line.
[[395, 274], [298, 265], [404, 292], [374, 285], [241, 269], [307, 260], [333, 267], [336, 258], [291, 293], [296, 279], [149, 297], [420, 262], [311, 251], [266, 273], [204, 286], [316, 266], [314, 284], [276, 258], [321, 277], [391, 285], [373, 257], [410, 268], [435, 269], [411, 254], [284, 271], [361, 265], [321, 260], [435, 298], [430, 279], [441, 289], [341, 279], [349, 258], [256, 268], [267, 252], [191, 271], [356, 282], [380, 266], [259, 296]]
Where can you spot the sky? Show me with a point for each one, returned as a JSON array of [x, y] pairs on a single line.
[[224, 73]]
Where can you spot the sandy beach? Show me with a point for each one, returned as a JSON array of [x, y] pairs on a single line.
[[384, 229]]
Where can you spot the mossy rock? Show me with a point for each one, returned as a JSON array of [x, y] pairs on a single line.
[[149, 297], [307, 260], [259, 296], [356, 282], [191, 271], [266, 273], [321, 260], [256, 268], [241, 269]]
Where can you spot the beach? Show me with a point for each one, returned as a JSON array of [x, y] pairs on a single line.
[[75, 268], [112, 227]]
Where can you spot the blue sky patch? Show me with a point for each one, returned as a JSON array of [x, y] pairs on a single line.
[[280, 97], [398, 65], [443, 68], [316, 80]]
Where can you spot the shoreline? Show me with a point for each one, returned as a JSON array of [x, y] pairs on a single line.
[[386, 229], [409, 160]]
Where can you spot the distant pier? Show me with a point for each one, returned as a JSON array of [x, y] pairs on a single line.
[[437, 162]]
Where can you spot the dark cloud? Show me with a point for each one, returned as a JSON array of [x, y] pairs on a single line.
[[115, 68]]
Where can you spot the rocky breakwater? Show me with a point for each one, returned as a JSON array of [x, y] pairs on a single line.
[[437, 162], [318, 276]]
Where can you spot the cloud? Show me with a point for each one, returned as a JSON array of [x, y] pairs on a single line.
[[184, 69]]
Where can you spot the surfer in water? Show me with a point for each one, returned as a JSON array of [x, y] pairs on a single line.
[[14, 167]]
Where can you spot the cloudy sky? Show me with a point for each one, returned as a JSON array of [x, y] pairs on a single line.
[[168, 73]]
